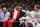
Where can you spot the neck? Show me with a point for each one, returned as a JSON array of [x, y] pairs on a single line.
[[5, 12]]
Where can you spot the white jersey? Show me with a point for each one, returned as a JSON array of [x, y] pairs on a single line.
[[30, 14], [37, 15], [33, 14]]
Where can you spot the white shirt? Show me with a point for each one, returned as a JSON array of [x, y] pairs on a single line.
[[30, 14], [15, 14], [7, 14], [37, 15]]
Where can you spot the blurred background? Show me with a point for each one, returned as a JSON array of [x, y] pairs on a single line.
[[10, 3]]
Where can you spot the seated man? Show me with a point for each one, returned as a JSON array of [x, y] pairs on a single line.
[[16, 14], [5, 16], [28, 16]]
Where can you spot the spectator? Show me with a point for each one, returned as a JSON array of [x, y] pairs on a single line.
[[5, 16], [28, 16], [37, 11]]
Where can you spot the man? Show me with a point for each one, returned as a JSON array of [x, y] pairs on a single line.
[[37, 12], [5, 16], [28, 16], [16, 14]]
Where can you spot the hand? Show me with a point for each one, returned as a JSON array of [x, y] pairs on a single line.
[[11, 21]]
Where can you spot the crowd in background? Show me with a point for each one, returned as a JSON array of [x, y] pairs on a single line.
[[10, 3]]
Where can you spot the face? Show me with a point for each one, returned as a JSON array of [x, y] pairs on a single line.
[[17, 7], [4, 9], [35, 8]]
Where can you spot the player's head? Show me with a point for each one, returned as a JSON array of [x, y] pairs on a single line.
[[17, 6], [36, 7], [4, 9]]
